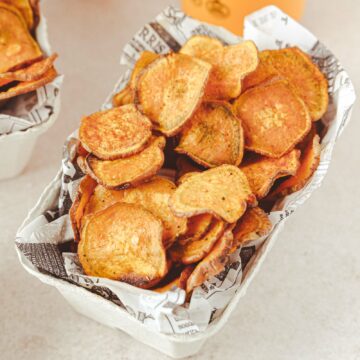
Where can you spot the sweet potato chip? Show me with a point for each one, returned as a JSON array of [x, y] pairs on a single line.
[[24, 7], [184, 165], [253, 225], [213, 136], [17, 46], [213, 263], [273, 117], [28, 86], [32, 72], [309, 162], [123, 97], [179, 281], [197, 226], [196, 249], [123, 242], [262, 172], [223, 191], [170, 89], [297, 67], [126, 95], [77, 210], [230, 64], [130, 171], [153, 196], [115, 133]]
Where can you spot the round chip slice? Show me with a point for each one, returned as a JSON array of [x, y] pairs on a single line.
[[309, 162], [25, 10], [129, 171], [273, 117], [28, 86], [230, 64], [213, 136], [213, 263], [196, 249], [223, 191], [17, 46], [115, 133], [123, 97], [123, 242], [32, 72], [153, 196], [253, 225], [170, 89], [262, 172], [197, 226]]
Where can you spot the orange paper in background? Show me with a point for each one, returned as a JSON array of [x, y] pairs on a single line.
[[231, 13]]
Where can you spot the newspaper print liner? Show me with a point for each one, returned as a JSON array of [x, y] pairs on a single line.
[[36, 107], [44, 242]]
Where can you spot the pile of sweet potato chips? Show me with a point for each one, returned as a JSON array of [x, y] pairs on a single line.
[[23, 65], [237, 126]]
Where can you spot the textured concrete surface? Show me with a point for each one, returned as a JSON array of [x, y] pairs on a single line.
[[304, 304]]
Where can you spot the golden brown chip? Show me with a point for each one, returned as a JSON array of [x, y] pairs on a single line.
[[170, 89], [179, 281], [309, 162], [230, 64], [28, 86], [123, 97], [273, 117], [306, 78], [213, 136], [253, 225], [77, 210], [24, 7], [262, 172], [33, 72], [129, 171], [115, 133], [213, 263], [197, 226], [153, 196], [126, 95], [123, 242], [222, 191], [17, 46], [184, 165], [196, 249], [145, 59]]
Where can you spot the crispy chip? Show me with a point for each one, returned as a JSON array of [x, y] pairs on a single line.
[[123, 97], [28, 86], [170, 89], [77, 210], [297, 67], [230, 64], [130, 171], [262, 172], [153, 196], [123, 242], [197, 226], [213, 136], [126, 95], [196, 249], [253, 225], [25, 10], [309, 162], [115, 133], [223, 191], [17, 46], [184, 165], [179, 281], [213, 263], [273, 117], [33, 72]]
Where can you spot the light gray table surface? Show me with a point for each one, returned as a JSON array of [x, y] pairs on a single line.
[[304, 303]]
